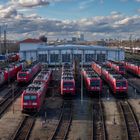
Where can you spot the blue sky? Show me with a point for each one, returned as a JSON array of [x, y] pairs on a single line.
[[94, 18], [82, 9]]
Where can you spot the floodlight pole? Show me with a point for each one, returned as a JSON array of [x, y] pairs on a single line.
[[82, 79], [13, 97], [0, 41]]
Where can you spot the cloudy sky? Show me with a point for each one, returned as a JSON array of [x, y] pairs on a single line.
[[118, 19]]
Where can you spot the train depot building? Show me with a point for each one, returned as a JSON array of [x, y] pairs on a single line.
[[33, 49]]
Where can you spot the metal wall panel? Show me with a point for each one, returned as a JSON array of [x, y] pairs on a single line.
[[111, 55], [22, 55], [28, 56], [121, 55], [33, 56], [29, 46]]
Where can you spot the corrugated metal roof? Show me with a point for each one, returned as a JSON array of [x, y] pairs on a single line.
[[30, 40], [76, 47]]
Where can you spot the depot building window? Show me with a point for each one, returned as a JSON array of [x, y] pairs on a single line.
[[43, 57], [65, 57], [90, 57], [54, 58]]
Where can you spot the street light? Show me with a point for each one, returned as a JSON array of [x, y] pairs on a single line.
[[5, 33], [0, 41], [13, 97], [82, 78]]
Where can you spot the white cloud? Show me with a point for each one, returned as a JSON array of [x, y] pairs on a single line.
[[137, 0], [7, 12], [34, 25], [115, 13], [85, 4], [21, 26], [30, 3]]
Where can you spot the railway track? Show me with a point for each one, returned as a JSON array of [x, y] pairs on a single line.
[[133, 132], [130, 81], [9, 98], [24, 129], [99, 132], [65, 120]]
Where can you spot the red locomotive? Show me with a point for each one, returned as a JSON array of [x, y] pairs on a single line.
[[133, 68], [67, 82], [92, 81], [116, 82], [44, 76], [118, 67], [13, 57], [10, 72], [26, 75], [33, 97], [97, 68]]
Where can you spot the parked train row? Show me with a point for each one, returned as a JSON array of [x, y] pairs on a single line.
[[117, 83], [118, 67], [26, 75], [12, 57], [33, 97], [123, 66], [92, 81], [67, 81], [10, 72], [133, 68]]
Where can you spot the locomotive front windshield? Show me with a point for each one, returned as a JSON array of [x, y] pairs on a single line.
[[22, 74], [122, 68], [95, 83], [121, 84], [26, 98], [33, 97], [67, 84], [30, 97]]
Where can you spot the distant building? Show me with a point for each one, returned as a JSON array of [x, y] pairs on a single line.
[[60, 54], [74, 39], [81, 38]]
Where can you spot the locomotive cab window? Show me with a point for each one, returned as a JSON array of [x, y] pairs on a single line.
[[33, 97], [121, 84], [22, 75], [26, 98], [95, 83], [121, 68], [118, 84], [68, 84]]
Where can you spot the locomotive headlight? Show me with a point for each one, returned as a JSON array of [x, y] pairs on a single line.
[[25, 103], [34, 103]]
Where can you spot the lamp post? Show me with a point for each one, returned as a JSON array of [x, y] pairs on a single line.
[[0, 41], [13, 97], [82, 78], [5, 37]]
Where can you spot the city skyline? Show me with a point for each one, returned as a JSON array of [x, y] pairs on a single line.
[[96, 19]]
